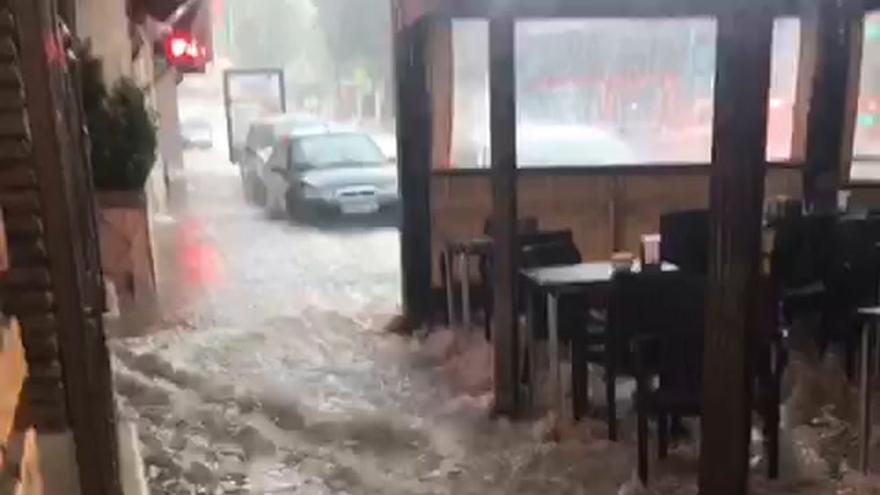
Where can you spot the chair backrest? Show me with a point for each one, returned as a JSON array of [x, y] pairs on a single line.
[[667, 305], [853, 273], [549, 254], [685, 240], [803, 250], [545, 237]]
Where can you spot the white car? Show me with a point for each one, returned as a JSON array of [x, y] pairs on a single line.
[[567, 145]]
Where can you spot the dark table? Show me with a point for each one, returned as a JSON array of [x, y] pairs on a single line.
[[553, 282]]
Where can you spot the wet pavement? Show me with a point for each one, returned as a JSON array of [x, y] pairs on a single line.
[[264, 369]]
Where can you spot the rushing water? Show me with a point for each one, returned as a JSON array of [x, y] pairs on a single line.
[[265, 369]]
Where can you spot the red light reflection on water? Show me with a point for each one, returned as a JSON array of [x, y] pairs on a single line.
[[199, 262]]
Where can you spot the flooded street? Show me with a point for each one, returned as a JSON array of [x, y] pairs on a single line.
[[267, 370]]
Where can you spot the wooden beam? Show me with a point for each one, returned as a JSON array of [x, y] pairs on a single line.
[[502, 118], [60, 172], [736, 202], [414, 144], [605, 8], [830, 69]]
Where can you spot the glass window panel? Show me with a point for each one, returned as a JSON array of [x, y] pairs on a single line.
[[866, 151], [783, 87], [470, 127], [614, 91]]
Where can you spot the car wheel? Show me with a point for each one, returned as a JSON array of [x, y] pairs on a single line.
[[290, 205], [258, 193], [299, 211], [246, 187]]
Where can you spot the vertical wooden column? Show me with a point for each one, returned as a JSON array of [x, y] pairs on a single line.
[[502, 117], [442, 84], [831, 44], [736, 200], [414, 129], [59, 166]]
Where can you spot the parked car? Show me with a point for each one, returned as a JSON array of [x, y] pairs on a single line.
[[262, 137], [196, 133], [320, 172], [564, 145]]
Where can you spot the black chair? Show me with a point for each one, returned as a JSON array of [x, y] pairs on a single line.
[[685, 240], [635, 308], [571, 313], [852, 282], [800, 270], [674, 355], [525, 240]]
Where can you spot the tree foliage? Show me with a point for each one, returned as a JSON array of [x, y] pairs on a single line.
[[271, 33], [122, 131], [358, 35]]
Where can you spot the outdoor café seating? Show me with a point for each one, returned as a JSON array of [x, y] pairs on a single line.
[[673, 353], [636, 308], [653, 328], [653, 316]]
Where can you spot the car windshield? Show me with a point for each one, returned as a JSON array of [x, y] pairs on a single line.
[[337, 150]]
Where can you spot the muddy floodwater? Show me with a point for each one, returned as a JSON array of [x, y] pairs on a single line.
[[264, 368]]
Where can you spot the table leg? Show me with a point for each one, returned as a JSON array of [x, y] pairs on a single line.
[[553, 349], [464, 273], [865, 397], [876, 352], [450, 301], [531, 355]]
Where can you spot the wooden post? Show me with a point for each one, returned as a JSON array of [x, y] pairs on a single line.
[[60, 171], [736, 201], [442, 82], [414, 129], [831, 44], [502, 102]]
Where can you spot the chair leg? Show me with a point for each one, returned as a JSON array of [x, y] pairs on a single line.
[[578, 378], [662, 436], [642, 436], [771, 433], [611, 403]]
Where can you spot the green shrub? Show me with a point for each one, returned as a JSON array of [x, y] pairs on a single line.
[[121, 130]]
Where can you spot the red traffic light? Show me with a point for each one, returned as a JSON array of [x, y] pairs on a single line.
[[185, 52]]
